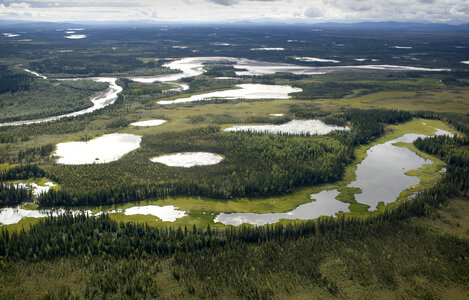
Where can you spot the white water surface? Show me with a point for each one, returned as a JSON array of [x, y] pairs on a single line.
[[75, 36], [37, 189], [104, 149], [6, 34], [465, 62], [188, 159], [12, 215], [193, 66], [153, 79], [167, 213], [148, 123], [220, 44], [268, 49], [292, 127], [35, 74], [244, 91], [317, 59]]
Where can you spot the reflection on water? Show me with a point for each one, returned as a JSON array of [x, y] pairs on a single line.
[[381, 175], [325, 205]]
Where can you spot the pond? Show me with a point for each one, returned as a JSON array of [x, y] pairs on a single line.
[[188, 159], [292, 127], [244, 91], [100, 150], [36, 188], [325, 205], [148, 123], [381, 175], [75, 36], [168, 213], [317, 59]]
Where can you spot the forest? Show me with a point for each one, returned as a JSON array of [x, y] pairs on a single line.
[[23, 97], [416, 247], [208, 262], [255, 164]]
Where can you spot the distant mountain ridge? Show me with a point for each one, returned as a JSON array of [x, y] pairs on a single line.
[[380, 26]]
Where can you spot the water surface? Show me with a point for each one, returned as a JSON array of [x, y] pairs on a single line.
[[188, 159], [381, 175], [12, 215], [244, 91], [325, 205], [75, 36], [317, 59], [100, 150], [148, 123], [193, 66], [292, 127], [167, 213]]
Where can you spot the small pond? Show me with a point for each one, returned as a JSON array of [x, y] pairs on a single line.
[[100, 150], [188, 159]]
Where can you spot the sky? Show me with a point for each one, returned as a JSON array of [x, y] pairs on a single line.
[[439, 11]]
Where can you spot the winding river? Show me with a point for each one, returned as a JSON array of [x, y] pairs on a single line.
[[193, 66], [104, 99]]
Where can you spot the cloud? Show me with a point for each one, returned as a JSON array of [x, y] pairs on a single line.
[[383, 10], [314, 12], [233, 2], [456, 11], [225, 2]]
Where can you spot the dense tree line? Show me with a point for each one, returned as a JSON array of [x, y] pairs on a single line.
[[44, 98], [32, 153], [254, 165], [87, 66], [137, 88], [11, 195], [22, 172], [12, 82], [94, 236], [210, 262]]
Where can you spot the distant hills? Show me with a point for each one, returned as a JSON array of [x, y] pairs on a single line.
[[362, 26]]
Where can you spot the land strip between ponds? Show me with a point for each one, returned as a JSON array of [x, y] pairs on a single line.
[[202, 211]]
